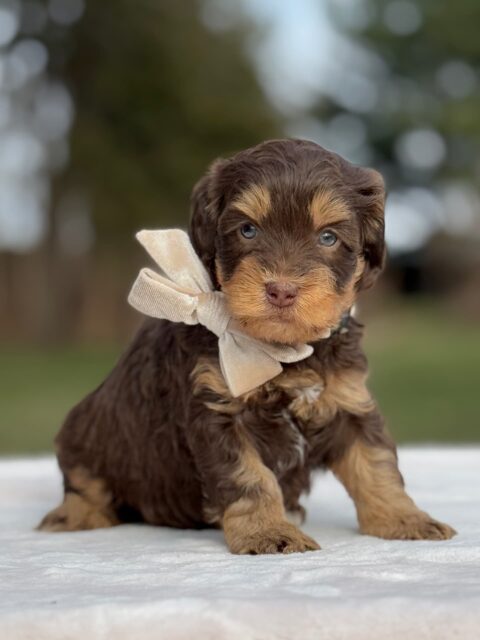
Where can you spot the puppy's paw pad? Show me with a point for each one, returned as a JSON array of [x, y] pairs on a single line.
[[283, 538], [54, 521], [416, 526], [432, 529], [76, 515]]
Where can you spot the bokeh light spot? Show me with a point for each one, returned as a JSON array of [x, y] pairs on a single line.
[[33, 54], [402, 17], [421, 149], [457, 79], [66, 12], [9, 22], [53, 113]]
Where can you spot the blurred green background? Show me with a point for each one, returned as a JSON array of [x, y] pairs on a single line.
[[110, 110]]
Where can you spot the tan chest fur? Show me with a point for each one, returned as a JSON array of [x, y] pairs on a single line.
[[318, 398], [313, 397]]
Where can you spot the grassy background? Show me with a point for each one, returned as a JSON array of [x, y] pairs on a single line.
[[425, 372]]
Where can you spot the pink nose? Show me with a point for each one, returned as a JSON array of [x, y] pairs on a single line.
[[281, 294]]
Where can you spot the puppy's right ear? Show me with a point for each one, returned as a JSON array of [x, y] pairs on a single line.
[[206, 204]]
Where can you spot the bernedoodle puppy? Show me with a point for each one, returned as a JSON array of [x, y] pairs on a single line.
[[290, 233]]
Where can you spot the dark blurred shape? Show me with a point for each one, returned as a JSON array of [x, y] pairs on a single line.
[[447, 267], [158, 97]]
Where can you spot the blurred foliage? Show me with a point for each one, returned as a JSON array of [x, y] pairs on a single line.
[[158, 96], [417, 75]]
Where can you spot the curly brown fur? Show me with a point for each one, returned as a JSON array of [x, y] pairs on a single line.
[[163, 441]]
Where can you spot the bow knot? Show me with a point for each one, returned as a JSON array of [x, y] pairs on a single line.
[[183, 292], [212, 312]]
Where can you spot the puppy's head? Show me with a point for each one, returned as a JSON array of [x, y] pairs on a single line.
[[290, 233]]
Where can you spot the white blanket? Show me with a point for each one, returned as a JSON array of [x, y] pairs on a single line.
[[137, 582]]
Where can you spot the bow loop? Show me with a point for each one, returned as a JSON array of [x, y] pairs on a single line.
[[173, 252], [183, 292]]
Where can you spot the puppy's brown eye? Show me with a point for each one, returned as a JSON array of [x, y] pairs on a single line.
[[248, 230], [327, 238]]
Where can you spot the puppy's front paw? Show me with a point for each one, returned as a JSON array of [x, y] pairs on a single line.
[[416, 525], [279, 538]]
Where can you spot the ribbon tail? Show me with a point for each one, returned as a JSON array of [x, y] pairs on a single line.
[[282, 352], [243, 366], [286, 353]]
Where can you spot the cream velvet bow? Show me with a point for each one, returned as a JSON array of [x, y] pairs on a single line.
[[183, 292]]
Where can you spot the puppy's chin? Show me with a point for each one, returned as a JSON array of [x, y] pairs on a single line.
[[282, 329]]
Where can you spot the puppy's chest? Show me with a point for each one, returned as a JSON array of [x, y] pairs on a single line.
[[313, 399], [288, 415], [292, 412]]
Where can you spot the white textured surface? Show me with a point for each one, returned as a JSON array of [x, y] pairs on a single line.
[[136, 582]]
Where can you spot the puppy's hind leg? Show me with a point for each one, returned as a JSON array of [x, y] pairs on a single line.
[[87, 504]]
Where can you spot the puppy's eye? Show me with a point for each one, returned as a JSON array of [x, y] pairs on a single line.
[[327, 238], [248, 230]]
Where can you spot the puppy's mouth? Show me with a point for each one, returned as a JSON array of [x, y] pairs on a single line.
[[299, 322], [284, 315]]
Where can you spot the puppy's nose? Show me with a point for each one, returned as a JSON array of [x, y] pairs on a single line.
[[281, 294]]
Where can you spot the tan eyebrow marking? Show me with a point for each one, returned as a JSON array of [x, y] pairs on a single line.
[[255, 202], [327, 208]]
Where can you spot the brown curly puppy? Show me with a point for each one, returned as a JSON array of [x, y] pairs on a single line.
[[291, 233]]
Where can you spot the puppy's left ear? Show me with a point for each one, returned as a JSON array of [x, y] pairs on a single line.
[[369, 201], [206, 205]]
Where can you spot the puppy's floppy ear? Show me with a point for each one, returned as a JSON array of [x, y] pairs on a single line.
[[206, 204], [369, 201]]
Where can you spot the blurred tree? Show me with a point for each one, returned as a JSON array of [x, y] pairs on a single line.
[[157, 95]]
